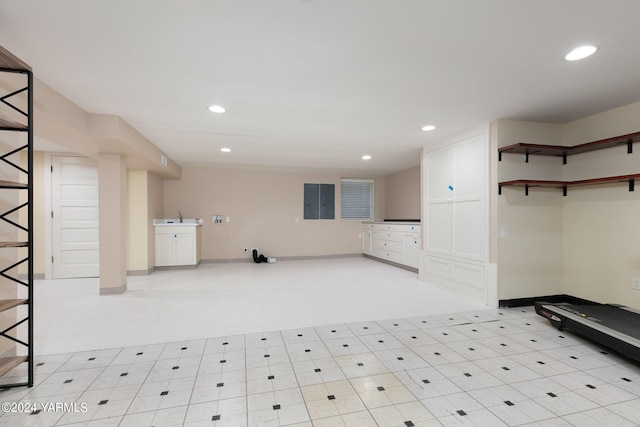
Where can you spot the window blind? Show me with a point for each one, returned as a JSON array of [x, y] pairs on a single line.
[[356, 198]]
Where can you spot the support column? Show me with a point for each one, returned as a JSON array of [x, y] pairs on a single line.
[[112, 173]]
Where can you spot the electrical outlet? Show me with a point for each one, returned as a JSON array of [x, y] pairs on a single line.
[[635, 283]]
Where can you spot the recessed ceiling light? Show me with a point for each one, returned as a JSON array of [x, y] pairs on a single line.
[[225, 150], [428, 128], [580, 52], [217, 109], [366, 157]]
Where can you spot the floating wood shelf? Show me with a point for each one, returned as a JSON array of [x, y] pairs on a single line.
[[10, 62], [528, 183], [14, 244], [6, 124], [8, 363], [11, 184], [561, 151], [6, 304]]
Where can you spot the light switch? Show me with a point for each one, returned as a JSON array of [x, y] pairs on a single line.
[[228, 219]]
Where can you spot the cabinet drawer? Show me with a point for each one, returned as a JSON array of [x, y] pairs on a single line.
[[390, 256], [389, 245], [406, 228], [175, 229], [389, 235]]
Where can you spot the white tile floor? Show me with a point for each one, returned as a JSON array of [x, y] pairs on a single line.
[[472, 366]]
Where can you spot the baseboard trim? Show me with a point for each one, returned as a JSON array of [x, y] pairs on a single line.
[[175, 267], [140, 272], [113, 291], [395, 264], [552, 299], [284, 258]]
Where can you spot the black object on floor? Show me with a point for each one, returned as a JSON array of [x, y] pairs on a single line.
[[614, 326], [258, 259]]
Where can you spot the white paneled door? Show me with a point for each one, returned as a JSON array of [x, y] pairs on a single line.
[[74, 211], [457, 218]]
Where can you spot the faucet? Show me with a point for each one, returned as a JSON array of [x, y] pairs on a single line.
[[180, 216]]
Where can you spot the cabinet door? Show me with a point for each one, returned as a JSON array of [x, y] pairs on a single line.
[[367, 238], [411, 247], [469, 209], [456, 216], [440, 175], [438, 228], [185, 249], [164, 250]]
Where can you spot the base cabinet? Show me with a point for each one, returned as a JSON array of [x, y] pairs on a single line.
[[395, 242], [177, 245]]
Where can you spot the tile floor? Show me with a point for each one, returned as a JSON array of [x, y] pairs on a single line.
[[502, 367], [411, 364]]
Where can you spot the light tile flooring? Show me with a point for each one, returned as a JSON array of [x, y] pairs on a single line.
[[482, 367]]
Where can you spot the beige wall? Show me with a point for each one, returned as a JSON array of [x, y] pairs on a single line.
[[137, 228], [265, 209], [155, 209], [585, 244], [601, 227], [145, 193], [529, 228], [112, 175], [402, 194]]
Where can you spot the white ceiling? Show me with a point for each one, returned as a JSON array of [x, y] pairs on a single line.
[[318, 83]]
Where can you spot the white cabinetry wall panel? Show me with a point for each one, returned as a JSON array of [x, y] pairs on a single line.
[[438, 228], [469, 230], [438, 167], [456, 216], [467, 156], [464, 278]]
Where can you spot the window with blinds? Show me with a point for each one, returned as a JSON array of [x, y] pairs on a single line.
[[356, 198]]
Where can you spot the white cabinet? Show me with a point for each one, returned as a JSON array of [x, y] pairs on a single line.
[[456, 221], [177, 244], [398, 243], [367, 241]]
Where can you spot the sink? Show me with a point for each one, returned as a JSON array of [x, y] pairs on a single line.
[[176, 221]]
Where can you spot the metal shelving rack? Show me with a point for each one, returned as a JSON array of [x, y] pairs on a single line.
[[18, 103]]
